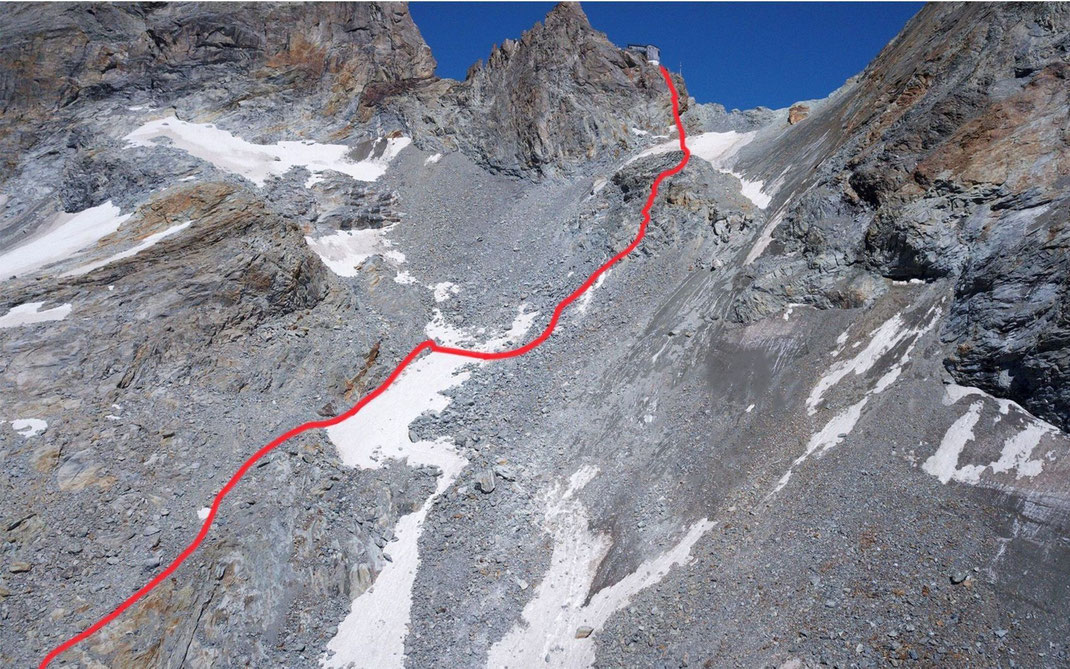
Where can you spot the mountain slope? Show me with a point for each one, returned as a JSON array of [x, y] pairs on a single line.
[[818, 417]]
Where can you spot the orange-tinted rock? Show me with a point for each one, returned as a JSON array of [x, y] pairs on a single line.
[[797, 113]]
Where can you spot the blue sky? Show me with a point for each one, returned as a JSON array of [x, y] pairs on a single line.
[[738, 54]]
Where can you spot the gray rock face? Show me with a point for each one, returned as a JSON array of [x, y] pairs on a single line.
[[561, 96], [54, 56], [953, 162]]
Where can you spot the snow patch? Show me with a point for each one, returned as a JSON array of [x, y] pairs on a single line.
[[585, 299], [752, 190], [148, 242], [431, 160], [30, 313], [65, 236], [943, 464], [447, 334], [1018, 450], [841, 341], [716, 148], [405, 278], [791, 309], [29, 427], [444, 289], [344, 251], [546, 634], [954, 392], [257, 162], [1016, 453]]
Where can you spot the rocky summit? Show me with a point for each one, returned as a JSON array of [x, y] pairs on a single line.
[[817, 418]]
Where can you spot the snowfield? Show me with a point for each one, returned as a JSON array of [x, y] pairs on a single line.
[[257, 162], [30, 313], [65, 236]]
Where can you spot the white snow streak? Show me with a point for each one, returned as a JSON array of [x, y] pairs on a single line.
[[884, 338], [585, 300], [432, 159], [765, 238], [30, 313], [943, 464], [257, 162], [834, 432], [149, 241], [1016, 453], [546, 635], [66, 235]]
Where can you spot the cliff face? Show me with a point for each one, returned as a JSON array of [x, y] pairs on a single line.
[[950, 155], [224, 55], [560, 95], [63, 53]]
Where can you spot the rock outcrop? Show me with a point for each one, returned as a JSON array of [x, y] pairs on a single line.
[[223, 56], [560, 96], [797, 113], [951, 160]]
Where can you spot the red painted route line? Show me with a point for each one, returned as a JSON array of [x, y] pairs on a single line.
[[420, 348]]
